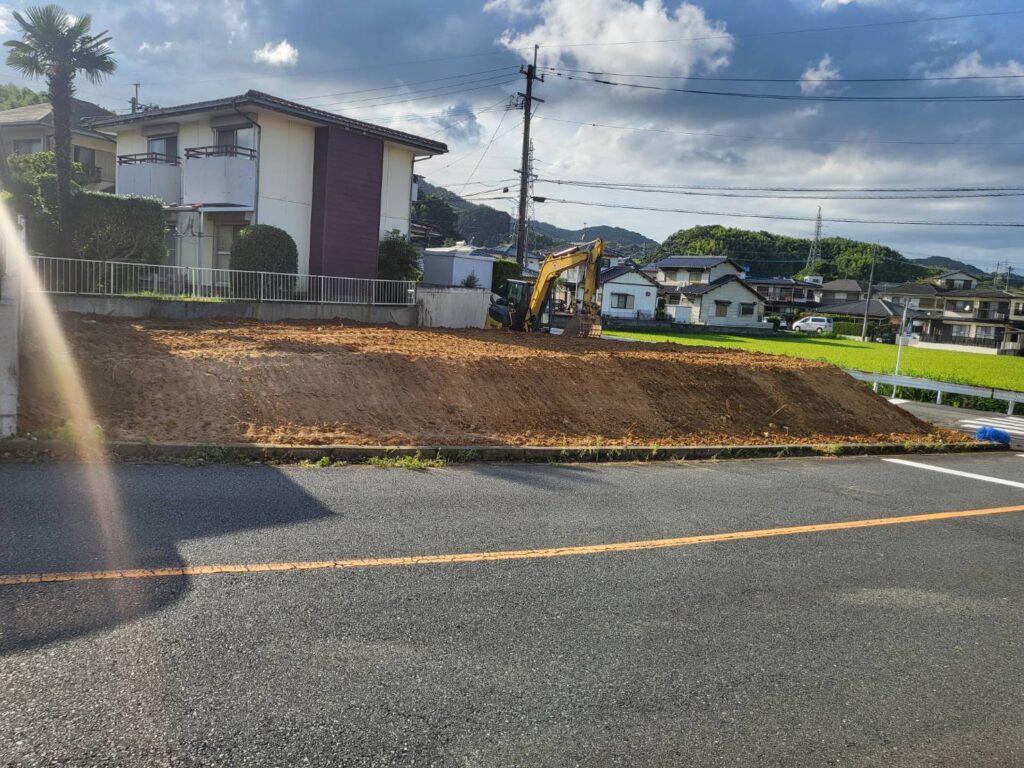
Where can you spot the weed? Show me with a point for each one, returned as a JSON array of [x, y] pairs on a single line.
[[211, 454], [415, 461], [321, 463]]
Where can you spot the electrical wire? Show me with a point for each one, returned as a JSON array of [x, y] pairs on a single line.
[[780, 217], [921, 79], [484, 153], [809, 140], [940, 99], [404, 85]]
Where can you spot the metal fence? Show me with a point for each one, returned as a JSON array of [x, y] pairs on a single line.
[[120, 278], [1010, 397]]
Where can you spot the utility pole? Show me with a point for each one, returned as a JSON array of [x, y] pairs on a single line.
[[135, 98], [525, 169], [867, 302]]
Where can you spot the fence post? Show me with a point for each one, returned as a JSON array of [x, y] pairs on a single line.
[[110, 285], [261, 287], [191, 281], [938, 397], [1009, 408]]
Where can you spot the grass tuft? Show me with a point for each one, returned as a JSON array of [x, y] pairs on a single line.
[[416, 462]]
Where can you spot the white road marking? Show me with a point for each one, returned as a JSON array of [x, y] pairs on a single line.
[[957, 472], [1012, 424]]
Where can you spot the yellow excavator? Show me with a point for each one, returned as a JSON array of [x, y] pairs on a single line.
[[525, 302]]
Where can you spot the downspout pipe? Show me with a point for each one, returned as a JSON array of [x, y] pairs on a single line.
[[259, 160]]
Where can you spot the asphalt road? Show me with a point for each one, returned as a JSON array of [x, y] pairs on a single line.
[[897, 645]]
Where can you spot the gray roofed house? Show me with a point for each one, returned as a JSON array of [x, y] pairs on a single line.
[[28, 129]]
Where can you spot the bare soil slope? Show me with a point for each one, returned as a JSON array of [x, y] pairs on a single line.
[[309, 383]]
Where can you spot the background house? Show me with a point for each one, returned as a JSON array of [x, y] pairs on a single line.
[[725, 301], [955, 281], [839, 291], [784, 296], [336, 185], [688, 270], [623, 291], [24, 130]]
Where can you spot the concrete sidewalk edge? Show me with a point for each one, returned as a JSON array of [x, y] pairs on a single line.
[[24, 449]]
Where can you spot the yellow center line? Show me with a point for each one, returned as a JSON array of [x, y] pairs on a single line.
[[482, 557]]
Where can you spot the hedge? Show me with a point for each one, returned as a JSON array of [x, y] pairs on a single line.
[[264, 248], [118, 228]]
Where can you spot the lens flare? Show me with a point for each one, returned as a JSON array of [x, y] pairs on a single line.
[[41, 323]]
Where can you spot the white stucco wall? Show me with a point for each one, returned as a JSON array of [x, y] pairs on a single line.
[[452, 307], [286, 178], [396, 189], [736, 294], [644, 293]]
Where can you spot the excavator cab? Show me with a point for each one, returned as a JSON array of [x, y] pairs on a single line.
[[509, 311]]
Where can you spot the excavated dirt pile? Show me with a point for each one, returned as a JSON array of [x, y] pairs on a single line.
[[310, 383]]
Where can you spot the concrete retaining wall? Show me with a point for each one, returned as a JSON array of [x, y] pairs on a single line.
[[115, 306], [449, 307], [8, 357]]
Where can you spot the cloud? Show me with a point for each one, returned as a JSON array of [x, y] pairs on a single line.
[[511, 8], [971, 65], [813, 79], [459, 122], [282, 54], [697, 42], [156, 49]]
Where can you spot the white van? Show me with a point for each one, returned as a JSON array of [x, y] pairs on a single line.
[[813, 325]]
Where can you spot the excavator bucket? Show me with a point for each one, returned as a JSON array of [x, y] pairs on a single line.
[[583, 326]]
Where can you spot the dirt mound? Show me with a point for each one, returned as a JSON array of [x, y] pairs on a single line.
[[291, 383]]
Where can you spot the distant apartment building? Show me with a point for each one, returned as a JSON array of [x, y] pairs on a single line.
[[24, 130], [988, 318], [336, 185]]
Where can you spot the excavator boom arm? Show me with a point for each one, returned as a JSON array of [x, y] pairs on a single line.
[[588, 254]]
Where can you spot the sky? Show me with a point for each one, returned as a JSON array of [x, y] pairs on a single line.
[[446, 68]]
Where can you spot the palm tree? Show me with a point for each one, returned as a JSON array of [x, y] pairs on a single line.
[[58, 46]]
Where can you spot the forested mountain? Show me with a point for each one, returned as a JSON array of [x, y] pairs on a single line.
[[768, 254], [12, 96], [949, 265], [486, 226]]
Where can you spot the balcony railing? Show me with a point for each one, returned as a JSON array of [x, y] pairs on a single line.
[[991, 314], [221, 150], [147, 157], [966, 341]]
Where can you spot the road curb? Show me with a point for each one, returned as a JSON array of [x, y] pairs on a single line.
[[25, 449]]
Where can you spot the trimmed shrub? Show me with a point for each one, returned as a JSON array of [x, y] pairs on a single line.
[[118, 228], [504, 270], [264, 248], [397, 259]]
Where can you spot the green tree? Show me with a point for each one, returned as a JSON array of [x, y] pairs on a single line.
[[437, 212], [397, 259], [58, 46], [264, 248], [13, 96]]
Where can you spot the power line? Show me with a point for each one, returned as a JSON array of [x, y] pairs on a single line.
[[459, 90], [797, 97], [393, 98], [484, 153], [809, 140], [786, 195], [789, 218], [405, 85], [921, 79]]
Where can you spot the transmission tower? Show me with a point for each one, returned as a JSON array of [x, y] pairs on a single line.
[[814, 254]]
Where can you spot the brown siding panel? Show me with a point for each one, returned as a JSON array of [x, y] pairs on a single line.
[[345, 221]]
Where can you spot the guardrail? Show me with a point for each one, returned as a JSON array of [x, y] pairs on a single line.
[[939, 387], [128, 279]]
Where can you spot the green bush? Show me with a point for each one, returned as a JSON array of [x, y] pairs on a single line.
[[397, 259], [264, 248], [471, 281], [504, 270], [118, 228]]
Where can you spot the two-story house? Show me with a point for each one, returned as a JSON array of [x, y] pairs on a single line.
[[989, 318], [336, 185], [706, 290], [24, 130], [784, 296], [841, 291]]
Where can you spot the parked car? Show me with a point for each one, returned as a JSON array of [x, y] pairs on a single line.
[[813, 325]]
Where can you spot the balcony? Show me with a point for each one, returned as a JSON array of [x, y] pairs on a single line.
[[991, 314], [965, 341], [149, 174], [220, 175]]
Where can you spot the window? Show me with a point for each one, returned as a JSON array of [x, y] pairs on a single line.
[[1018, 308], [166, 147], [670, 274], [622, 301], [960, 331], [236, 137], [747, 309], [672, 299], [722, 308], [984, 332], [27, 146], [87, 157], [694, 275], [171, 242], [959, 306], [926, 303]]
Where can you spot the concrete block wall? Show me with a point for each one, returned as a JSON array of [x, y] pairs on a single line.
[[9, 328], [452, 307]]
